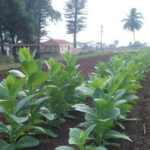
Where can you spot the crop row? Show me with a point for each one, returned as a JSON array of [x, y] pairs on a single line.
[[32, 101], [113, 88]]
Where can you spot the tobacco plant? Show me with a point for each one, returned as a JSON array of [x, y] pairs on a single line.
[[11, 107], [22, 103], [65, 79], [80, 138], [114, 86], [103, 116]]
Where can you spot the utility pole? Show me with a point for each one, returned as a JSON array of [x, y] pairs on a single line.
[[101, 37]]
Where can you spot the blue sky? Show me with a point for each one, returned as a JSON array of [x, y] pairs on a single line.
[[108, 13]]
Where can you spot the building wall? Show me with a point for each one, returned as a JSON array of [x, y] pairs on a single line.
[[51, 49], [64, 48], [56, 49]]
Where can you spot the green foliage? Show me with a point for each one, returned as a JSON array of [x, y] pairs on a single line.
[[75, 15], [79, 138], [133, 22], [23, 142], [43, 13], [102, 116], [65, 80], [28, 25], [32, 98], [114, 86]]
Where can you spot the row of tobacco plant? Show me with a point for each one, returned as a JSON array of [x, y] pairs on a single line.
[[113, 90], [32, 100]]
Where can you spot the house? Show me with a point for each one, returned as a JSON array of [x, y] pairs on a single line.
[[55, 46], [52, 46]]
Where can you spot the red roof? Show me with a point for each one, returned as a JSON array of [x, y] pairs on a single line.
[[56, 41], [61, 41]]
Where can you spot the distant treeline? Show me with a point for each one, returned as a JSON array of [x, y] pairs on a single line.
[[97, 45]]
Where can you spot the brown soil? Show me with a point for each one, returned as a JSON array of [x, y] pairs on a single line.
[[62, 132], [3, 74], [138, 131], [87, 64]]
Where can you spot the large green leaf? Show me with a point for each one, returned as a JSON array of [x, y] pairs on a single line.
[[24, 54], [5, 146], [89, 130], [29, 67], [101, 148], [14, 86], [64, 148], [40, 130], [23, 104], [3, 128], [18, 119], [113, 114], [83, 108], [119, 93], [33, 54], [83, 91], [10, 82], [3, 111], [96, 148], [37, 79], [17, 73], [4, 94], [45, 112], [114, 134], [27, 142], [17, 86], [74, 135]]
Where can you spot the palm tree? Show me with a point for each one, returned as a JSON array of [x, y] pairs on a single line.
[[133, 21]]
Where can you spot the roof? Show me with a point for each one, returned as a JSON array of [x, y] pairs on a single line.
[[56, 41]]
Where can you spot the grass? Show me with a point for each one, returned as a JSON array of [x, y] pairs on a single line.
[[91, 54], [7, 63], [9, 66]]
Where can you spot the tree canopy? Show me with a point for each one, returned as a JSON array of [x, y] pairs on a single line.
[[24, 21], [133, 21], [76, 16]]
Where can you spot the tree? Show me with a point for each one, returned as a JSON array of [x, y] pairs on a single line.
[[24, 20], [17, 23], [137, 44], [133, 22], [75, 15], [43, 12], [3, 11]]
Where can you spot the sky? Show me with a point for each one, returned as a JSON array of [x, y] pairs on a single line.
[[108, 13]]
